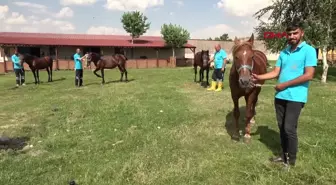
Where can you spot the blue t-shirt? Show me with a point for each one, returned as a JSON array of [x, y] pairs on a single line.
[[16, 61], [219, 59], [292, 65], [78, 62]]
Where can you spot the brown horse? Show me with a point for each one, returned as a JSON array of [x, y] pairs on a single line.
[[108, 62], [246, 61], [35, 64], [201, 59]]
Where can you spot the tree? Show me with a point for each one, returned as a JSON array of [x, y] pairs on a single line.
[[319, 20], [175, 36], [135, 23]]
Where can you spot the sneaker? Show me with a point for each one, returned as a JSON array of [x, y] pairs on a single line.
[[277, 159], [24, 84], [17, 85]]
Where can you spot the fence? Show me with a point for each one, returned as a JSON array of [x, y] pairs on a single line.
[[130, 64]]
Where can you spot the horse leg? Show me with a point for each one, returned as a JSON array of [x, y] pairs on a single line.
[[38, 76], [207, 76], [48, 74], [121, 72], [103, 76], [95, 72], [248, 115], [195, 70], [51, 68], [236, 114], [200, 75], [34, 73], [125, 71]]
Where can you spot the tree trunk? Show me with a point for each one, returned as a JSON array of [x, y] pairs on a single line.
[[325, 65], [173, 51], [132, 40]]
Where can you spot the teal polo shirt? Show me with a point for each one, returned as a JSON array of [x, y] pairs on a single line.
[[16, 62], [78, 62], [292, 65], [219, 59]]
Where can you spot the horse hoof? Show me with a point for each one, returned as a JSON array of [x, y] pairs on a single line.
[[247, 138], [235, 137]]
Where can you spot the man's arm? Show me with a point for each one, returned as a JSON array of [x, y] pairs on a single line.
[[273, 74], [310, 64]]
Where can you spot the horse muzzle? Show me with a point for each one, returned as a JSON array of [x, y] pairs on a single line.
[[244, 82]]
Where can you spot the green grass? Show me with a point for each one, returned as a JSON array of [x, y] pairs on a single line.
[[160, 128]]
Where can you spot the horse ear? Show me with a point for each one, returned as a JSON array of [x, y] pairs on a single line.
[[251, 40], [236, 41]]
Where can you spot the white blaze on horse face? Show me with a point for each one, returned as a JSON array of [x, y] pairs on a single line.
[[244, 52]]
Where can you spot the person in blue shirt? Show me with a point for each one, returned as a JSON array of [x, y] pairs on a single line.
[[219, 65], [18, 69], [294, 68], [78, 68]]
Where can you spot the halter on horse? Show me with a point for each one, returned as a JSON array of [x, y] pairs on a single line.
[[201, 59], [35, 64], [246, 61], [108, 62]]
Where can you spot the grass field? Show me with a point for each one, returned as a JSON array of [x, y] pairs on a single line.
[[160, 128]]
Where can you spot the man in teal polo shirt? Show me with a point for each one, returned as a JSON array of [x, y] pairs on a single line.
[[294, 68], [219, 64], [18, 69], [78, 68]]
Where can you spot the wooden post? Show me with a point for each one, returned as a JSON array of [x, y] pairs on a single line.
[[4, 58], [157, 57], [56, 55]]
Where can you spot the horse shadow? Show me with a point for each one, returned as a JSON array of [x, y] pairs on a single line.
[[15, 143], [109, 82], [269, 137], [42, 82]]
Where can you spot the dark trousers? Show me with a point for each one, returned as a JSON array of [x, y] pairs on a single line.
[[287, 115], [79, 77], [20, 76], [218, 75]]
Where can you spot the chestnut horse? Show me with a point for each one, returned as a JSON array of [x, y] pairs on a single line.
[[107, 62], [246, 61], [201, 59], [35, 64]]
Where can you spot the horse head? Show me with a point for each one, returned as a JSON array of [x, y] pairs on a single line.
[[92, 57], [243, 60], [26, 58], [205, 57]]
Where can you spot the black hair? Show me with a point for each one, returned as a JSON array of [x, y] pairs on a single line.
[[294, 25]]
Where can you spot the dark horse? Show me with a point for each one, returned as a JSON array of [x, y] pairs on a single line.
[[201, 59], [108, 62], [246, 60], [35, 64]]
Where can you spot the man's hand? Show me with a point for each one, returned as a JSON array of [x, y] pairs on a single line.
[[223, 69], [255, 77], [280, 87]]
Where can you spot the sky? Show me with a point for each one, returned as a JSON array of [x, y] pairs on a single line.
[[202, 18]]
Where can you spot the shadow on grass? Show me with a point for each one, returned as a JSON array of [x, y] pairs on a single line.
[[17, 143], [269, 137], [109, 82], [48, 83]]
